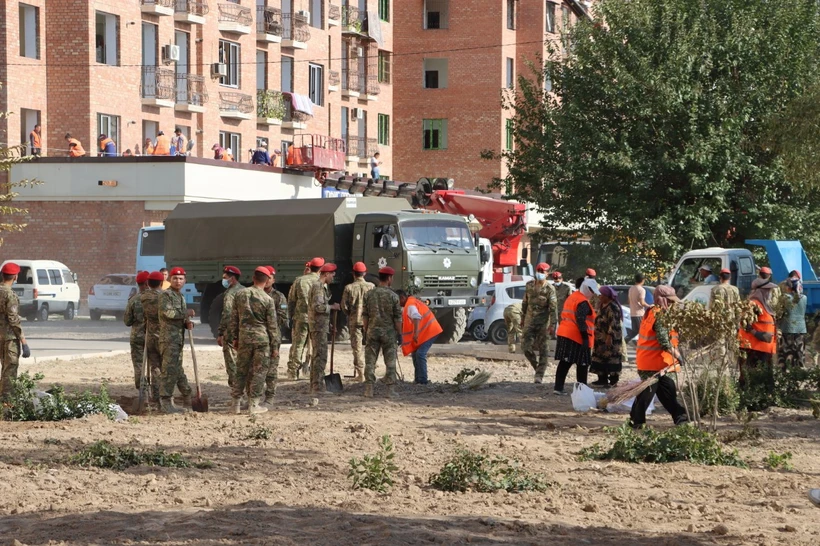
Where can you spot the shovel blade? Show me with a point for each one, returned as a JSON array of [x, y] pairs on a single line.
[[333, 383], [200, 404]]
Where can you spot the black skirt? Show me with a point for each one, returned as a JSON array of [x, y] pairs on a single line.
[[572, 352]]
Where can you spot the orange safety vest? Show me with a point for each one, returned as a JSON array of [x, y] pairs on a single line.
[[104, 143], [428, 326], [163, 146], [764, 323], [35, 139], [568, 328], [77, 150], [650, 356], [226, 156]]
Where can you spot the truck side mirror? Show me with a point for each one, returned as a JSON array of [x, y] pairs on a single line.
[[484, 254], [74, 275], [524, 254]]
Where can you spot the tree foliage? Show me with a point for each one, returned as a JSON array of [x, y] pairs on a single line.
[[10, 156], [654, 128]]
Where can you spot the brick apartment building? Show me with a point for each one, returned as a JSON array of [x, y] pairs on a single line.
[[454, 59]]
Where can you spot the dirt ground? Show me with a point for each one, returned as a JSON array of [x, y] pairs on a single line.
[[293, 488]]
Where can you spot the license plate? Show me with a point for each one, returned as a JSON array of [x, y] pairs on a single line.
[[18, 291], [111, 294], [457, 302]]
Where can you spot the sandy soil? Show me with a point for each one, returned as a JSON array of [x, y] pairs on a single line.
[[293, 488]]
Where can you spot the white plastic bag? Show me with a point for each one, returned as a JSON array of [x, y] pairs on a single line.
[[626, 406], [583, 398]]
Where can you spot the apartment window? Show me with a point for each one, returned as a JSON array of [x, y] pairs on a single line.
[[385, 67], [287, 74], [508, 141], [107, 38], [317, 10], [434, 134], [550, 17], [261, 69], [435, 73], [109, 125], [149, 131], [384, 130], [232, 141], [229, 55], [29, 31], [285, 146], [511, 14], [565, 17], [510, 72], [316, 84], [547, 83], [436, 13], [384, 10]]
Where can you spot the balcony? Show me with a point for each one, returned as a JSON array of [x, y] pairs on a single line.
[[333, 80], [158, 87], [269, 26], [373, 86], [334, 15], [294, 120], [191, 12], [157, 7], [270, 107], [191, 93], [350, 83], [352, 20], [296, 31], [235, 105], [235, 19], [367, 147]]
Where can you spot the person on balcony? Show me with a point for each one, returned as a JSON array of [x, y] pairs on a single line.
[[108, 148], [148, 147], [374, 166], [219, 151], [35, 141], [261, 156], [179, 142], [163, 145], [75, 149]]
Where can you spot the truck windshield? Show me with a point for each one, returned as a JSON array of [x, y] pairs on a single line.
[[436, 233]]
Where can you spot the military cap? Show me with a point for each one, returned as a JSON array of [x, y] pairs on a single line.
[[359, 267], [176, 271], [387, 270], [766, 270], [724, 270], [262, 269], [10, 268], [556, 275], [142, 277], [317, 262], [328, 268], [591, 272], [543, 266], [156, 276], [233, 270], [272, 270]]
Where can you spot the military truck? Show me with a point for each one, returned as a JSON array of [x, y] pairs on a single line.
[[434, 254]]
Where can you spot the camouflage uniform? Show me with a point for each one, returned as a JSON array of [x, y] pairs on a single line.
[[150, 311], [281, 303], [298, 311], [382, 311], [228, 352], [172, 315], [319, 318], [352, 304], [10, 334], [562, 292], [253, 324], [724, 292], [539, 308], [135, 318], [512, 319]]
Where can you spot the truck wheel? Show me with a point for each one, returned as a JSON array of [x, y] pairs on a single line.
[[215, 314], [453, 323], [498, 333], [478, 331]]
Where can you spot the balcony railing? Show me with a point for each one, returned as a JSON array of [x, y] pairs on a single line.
[[295, 27], [333, 77], [350, 80], [158, 83], [233, 102], [334, 12], [198, 9], [373, 86], [361, 147], [191, 90], [293, 115], [234, 13], [269, 20], [160, 3], [352, 19], [270, 104]]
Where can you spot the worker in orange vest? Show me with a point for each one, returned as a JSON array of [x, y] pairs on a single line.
[[574, 336], [35, 141], [75, 149], [419, 329], [107, 146], [657, 350], [163, 145], [758, 343]]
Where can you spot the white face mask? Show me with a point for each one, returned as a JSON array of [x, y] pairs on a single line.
[[541, 276]]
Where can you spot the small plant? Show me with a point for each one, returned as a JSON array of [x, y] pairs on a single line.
[[480, 472], [270, 104], [259, 432], [748, 432], [470, 379], [774, 461], [23, 405], [728, 399], [103, 454], [682, 443], [374, 472]]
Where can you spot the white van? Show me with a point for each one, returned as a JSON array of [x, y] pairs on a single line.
[[46, 288]]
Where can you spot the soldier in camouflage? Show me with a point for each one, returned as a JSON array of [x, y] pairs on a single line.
[[135, 318], [298, 311], [562, 290], [12, 340], [512, 319], [539, 309], [174, 319], [281, 303], [381, 318], [230, 281], [150, 310], [255, 332], [319, 309], [352, 304]]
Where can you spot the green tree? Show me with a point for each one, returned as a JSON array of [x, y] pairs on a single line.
[[795, 135], [653, 132], [10, 156]]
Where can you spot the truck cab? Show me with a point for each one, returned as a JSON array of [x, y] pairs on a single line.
[[689, 283]]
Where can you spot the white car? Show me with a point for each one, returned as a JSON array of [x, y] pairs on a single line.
[[46, 287], [475, 322], [506, 293], [111, 294]]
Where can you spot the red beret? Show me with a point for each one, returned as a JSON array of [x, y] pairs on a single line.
[[387, 270], [272, 270], [176, 271], [328, 268], [543, 266], [10, 268], [142, 277], [156, 276], [724, 270], [556, 275], [766, 270], [262, 269], [232, 270], [359, 267], [591, 272], [317, 262]]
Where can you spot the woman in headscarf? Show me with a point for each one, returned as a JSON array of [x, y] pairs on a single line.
[[606, 351], [757, 340], [574, 335], [791, 350]]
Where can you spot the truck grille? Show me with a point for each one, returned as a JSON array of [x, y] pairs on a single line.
[[446, 281]]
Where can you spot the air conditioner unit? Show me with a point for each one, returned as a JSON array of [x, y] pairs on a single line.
[[219, 69], [358, 113], [360, 51], [170, 53], [303, 14]]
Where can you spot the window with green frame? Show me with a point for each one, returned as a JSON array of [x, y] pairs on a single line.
[[384, 130], [385, 66], [384, 10], [434, 134], [509, 134]]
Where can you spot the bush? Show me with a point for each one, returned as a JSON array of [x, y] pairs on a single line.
[[775, 461], [472, 471], [59, 406], [728, 401], [682, 443], [781, 388], [259, 432], [103, 454], [374, 472]]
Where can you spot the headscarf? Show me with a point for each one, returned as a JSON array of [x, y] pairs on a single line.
[[664, 295], [612, 294], [589, 288], [761, 292]]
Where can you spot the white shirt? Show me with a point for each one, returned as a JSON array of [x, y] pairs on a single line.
[[413, 312]]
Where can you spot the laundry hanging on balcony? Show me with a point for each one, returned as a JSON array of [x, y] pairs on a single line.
[[374, 28], [301, 103]]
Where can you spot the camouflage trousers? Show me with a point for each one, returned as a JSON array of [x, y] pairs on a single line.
[[513, 323], [154, 365], [356, 338], [137, 352], [273, 372], [252, 364], [318, 361], [173, 375], [229, 355], [10, 357], [384, 341], [299, 338], [536, 347]]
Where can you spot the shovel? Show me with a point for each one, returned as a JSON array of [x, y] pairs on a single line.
[[141, 403], [199, 402], [333, 382]]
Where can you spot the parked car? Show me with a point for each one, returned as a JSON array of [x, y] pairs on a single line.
[[46, 287], [506, 293], [111, 294], [623, 299], [475, 322]]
